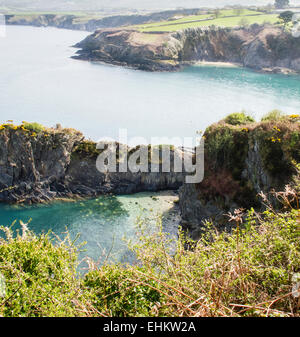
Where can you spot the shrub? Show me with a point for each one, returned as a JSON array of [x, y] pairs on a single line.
[[36, 127], [238, 118], [87, 148], [247, 272], [117, 294], [226, 148], [40, 277], [274, 115]]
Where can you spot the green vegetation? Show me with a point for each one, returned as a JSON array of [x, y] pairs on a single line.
[[226, 149], [224, 18], [238, 118], [40, 277], [246, 272], [286, 19], [277, 115], [227, 146], [31, 128], [286, 16], [87, 148], [36, 127], [279, 143], [115, 293], [274, 115], [77, 17]]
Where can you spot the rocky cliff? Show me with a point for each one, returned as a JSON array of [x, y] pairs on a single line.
[[240, 162], [129, 48], [39, 164], [265, 48]]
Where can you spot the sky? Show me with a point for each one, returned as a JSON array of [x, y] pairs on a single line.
[[138, 4]]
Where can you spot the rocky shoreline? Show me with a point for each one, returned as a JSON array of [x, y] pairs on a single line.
[[52, 164], [264, 48]]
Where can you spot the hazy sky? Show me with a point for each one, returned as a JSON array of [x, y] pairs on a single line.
[[139, 4], [184, 3]]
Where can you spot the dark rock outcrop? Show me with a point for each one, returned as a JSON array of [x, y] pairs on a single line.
[[59, 163], [240, 162]]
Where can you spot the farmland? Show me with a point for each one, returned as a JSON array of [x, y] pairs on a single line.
[[222, 18]]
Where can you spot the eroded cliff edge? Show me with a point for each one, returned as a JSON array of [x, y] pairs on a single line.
[[39, 164], [241, 161], [260, 47]]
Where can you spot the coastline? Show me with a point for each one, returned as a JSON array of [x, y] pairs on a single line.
[[168, 52]]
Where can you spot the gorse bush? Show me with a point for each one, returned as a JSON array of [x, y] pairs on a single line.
[[238, 118], [36, 127], [248, 271]]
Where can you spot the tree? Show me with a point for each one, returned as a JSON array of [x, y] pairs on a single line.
[[217, 13], [286, 17], [279, 4]]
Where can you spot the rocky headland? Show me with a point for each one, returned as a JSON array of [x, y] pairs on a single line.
[[241, 161], [260, 47]]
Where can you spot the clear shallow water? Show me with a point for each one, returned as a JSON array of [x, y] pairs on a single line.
[[102, 223], [40, 82]]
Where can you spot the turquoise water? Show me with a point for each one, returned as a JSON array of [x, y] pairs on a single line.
[[40, 82], [103, 223]]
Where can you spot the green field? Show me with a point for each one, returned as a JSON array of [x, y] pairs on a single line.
[[79, 17], [226, 18]]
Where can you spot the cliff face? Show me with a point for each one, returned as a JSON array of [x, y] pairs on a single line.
[[30, 164], [37, 166], [240, 162], [264, 48], [257, 47]]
